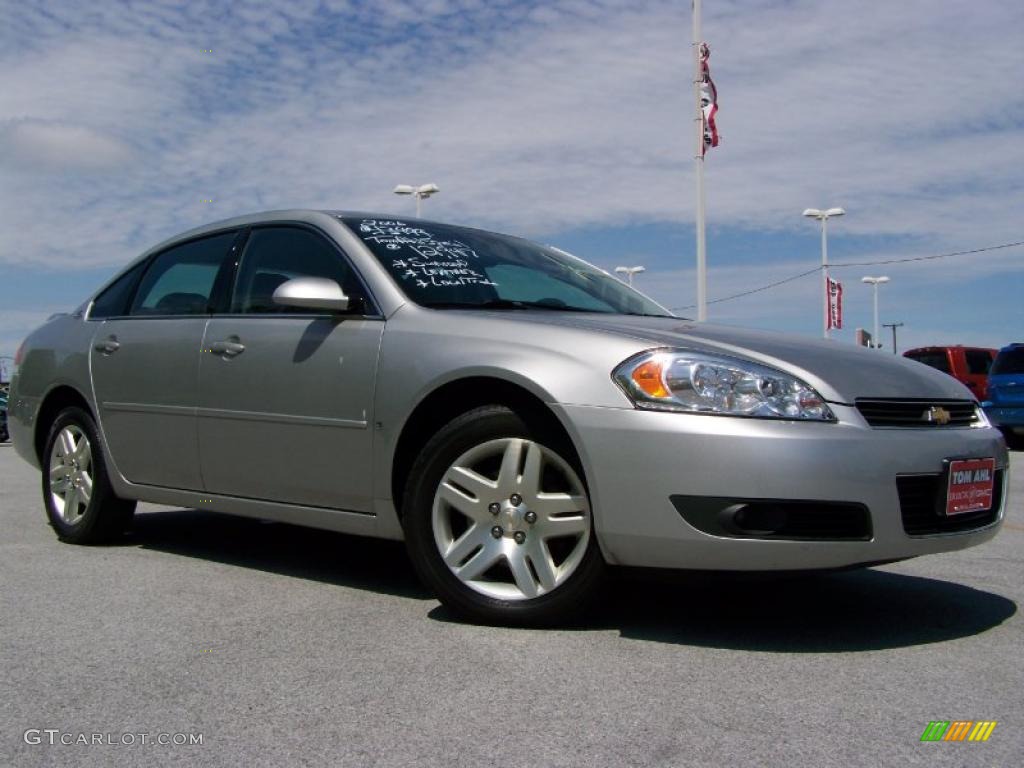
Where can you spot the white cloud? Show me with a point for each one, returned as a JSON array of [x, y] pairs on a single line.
[[39, 145], [533, 118]]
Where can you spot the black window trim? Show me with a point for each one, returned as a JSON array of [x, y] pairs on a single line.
[[148, 262], [142, 266], [370, 312]]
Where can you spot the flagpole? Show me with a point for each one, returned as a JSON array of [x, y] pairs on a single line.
[[824, 270], [702, 305]]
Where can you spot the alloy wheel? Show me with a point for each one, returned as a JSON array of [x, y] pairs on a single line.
[[71, 480], [511, 519]]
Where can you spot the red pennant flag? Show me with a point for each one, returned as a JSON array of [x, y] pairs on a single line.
[[708, 101], [834, 293]]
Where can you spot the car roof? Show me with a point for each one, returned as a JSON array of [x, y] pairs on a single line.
[[941, 348], [287, 213]]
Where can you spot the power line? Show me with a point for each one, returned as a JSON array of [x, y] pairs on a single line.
[[927, 258], [854, 264], [756, 290]]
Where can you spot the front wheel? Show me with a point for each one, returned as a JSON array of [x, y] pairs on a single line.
[[79, 501], [498, 521], [1014, 440]]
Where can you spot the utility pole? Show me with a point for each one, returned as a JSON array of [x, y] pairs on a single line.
[[894, 326]]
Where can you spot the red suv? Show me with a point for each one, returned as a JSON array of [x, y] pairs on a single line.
[[968, 365]]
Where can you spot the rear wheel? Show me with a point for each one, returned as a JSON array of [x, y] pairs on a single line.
[[79, 500], [498, 521]]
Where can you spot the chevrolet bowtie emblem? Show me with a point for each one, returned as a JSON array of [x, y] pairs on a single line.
[[936, 414]]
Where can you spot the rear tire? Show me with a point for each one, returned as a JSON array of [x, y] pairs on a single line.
[[498, 523], [77, 494]]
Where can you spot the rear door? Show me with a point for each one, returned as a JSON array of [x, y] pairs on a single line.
[[286, 395], [145, 364]]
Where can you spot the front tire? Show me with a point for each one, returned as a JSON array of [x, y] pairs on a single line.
[[1014, 441], [498, 521], [79, 500]]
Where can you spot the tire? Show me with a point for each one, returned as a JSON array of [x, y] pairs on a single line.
[[1014, 441], [79, 500], [498, 523]]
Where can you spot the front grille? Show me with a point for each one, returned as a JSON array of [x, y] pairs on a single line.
[[918, 413], [922, 503]]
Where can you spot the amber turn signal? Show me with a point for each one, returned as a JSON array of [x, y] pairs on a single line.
[[648, 378]]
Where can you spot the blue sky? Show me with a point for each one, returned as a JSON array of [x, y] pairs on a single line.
[[565, 121]]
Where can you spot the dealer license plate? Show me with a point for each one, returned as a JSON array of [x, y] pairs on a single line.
[[970, 486]]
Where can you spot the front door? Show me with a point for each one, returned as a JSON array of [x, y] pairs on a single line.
[[286, 394]]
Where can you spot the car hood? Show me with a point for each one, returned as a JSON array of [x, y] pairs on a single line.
[[840, 371]]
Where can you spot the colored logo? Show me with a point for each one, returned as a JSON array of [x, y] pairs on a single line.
[[937, 415], [958, 730]]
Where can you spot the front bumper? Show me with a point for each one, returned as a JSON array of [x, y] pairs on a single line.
[[636, 460]]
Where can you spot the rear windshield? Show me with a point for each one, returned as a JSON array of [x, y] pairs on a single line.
[[1009, 361], [937, 360], [447, 267]]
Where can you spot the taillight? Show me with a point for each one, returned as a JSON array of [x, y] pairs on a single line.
[[20, 354]]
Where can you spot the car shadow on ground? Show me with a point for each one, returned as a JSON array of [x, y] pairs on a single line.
[[858, 610], [375, 565]]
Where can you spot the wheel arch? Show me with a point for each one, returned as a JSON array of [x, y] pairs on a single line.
[[456, 397], [56, 400]]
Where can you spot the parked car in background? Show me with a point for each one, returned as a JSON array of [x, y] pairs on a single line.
[[1004, 403], [968, 365], [3, 413], [518, 416]]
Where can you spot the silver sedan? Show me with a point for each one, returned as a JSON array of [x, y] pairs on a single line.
[[521, 418]]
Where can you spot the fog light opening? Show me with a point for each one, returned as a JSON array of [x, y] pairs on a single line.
[[755, 520]]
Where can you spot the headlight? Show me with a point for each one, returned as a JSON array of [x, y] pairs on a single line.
[[696, 382]]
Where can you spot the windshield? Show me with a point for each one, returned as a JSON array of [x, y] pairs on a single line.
[[1009, 361], [447, 267]]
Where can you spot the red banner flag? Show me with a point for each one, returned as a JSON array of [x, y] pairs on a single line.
[[834, 296], [708, 101]]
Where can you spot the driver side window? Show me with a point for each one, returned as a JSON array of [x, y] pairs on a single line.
[[274, 255]]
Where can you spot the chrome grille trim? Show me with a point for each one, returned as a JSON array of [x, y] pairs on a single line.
[[929, 414]]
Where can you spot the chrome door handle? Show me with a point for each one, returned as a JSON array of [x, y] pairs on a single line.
[[228, 348], [107, 346]]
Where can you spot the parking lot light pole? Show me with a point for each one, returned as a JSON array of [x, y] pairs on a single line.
[[823, 217], [629, 272], [422, 192], [874, 282]]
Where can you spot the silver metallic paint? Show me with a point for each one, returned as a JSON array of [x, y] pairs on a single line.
[[633, 460]]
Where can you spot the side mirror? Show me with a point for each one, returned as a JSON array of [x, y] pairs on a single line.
[[311, 293]]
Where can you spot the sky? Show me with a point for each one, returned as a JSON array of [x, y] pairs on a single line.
[[123, 123]]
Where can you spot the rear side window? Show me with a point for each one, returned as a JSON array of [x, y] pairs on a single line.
[[978, 361], [274, 255], [937, 360], [180, 280], [113, 302], [1009, 361]]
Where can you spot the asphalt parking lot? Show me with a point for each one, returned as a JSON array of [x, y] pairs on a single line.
[[286, 646]]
